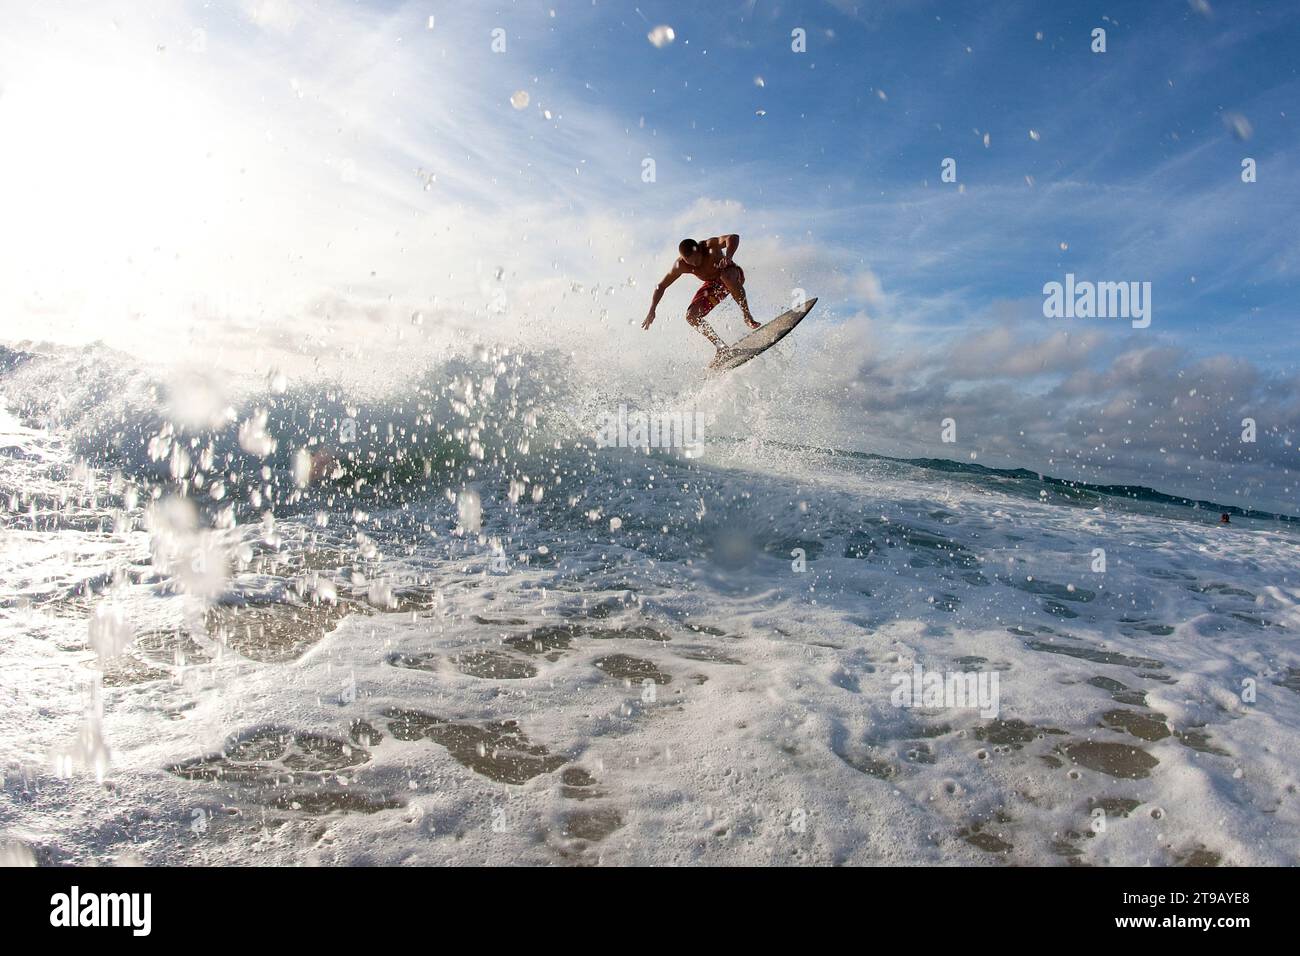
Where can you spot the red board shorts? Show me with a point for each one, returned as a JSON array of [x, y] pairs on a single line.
[[709, 295]]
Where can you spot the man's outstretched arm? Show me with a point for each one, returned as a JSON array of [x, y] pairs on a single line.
[[664, 283]]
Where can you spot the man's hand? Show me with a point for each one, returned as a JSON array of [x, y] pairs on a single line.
[[648, 320]]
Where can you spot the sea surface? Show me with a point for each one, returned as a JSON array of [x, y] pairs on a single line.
[[446, 626]]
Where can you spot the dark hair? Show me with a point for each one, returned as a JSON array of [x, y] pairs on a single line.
[[687, 246]]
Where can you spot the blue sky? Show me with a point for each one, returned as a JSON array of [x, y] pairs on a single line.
[[1135, 168]]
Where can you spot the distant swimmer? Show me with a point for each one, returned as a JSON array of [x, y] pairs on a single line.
[[1224, 519], [710, 261]]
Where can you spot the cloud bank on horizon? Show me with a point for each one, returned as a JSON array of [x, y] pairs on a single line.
[[278, 176]]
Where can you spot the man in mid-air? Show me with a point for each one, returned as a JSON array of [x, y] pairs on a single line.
[[710, 261]]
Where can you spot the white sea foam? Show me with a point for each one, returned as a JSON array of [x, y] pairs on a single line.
[[1162, 690]]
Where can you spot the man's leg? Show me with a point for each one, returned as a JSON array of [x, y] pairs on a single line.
[[734, 281], [697, 321], [706, 298]]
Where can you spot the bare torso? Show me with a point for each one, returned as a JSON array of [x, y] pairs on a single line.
[[710, 268]]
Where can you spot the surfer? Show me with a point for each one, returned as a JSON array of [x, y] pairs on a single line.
[[710, 261]]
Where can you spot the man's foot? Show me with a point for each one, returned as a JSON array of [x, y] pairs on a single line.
[[749, 320]]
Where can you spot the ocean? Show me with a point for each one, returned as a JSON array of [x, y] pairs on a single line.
[[449, 624]]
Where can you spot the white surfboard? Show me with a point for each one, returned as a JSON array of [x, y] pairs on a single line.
[[761, 339]]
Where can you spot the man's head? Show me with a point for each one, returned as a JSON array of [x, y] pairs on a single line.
[[690, 250]]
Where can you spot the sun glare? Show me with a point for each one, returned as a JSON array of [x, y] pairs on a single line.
[[106, 176]]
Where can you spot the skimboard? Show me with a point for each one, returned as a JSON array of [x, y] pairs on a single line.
[[761, 339]]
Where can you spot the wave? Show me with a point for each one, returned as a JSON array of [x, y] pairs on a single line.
[[1036, 483], [491, 414], [478, 576]]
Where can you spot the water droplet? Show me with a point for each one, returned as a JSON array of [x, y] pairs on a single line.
[[661, 36], [1238, 126]]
